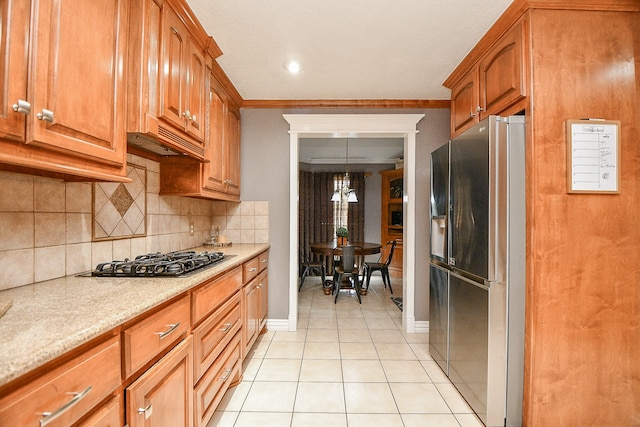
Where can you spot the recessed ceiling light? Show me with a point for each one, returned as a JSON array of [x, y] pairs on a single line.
[[293, 67]]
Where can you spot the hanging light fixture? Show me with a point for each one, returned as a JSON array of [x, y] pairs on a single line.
[[346, 192]]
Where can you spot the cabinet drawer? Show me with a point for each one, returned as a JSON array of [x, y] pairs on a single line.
[[250, 269], [263, 260], [147, 338], [209, 297], [214, 334], [217, 380], [67, 393], [107, 415]]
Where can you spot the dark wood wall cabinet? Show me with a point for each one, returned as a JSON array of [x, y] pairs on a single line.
[[391, 215]]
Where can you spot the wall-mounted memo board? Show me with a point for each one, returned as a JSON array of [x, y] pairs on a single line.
[[593, 156]]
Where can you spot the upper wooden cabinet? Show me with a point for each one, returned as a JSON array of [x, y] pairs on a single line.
[[168, 59], [219, 176], [63, 87], [182, 83], [495, 83]]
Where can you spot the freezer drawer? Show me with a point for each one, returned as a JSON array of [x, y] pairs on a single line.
[[439, 316], [468, 345]]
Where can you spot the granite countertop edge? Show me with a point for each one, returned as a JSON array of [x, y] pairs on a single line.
[[48, 319]]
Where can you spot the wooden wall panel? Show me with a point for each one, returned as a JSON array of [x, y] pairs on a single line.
[[583, 268]]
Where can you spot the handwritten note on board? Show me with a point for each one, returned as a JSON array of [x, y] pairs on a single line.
[[593, 156]]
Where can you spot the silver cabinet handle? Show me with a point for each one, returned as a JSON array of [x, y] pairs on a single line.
[[472, 114], [194, 118], [172, 328], [252, 269], [479, 108], [46, 115], [187, 114], [48, 417], [225, 377], [226, 328], [22, 107], [264, 260], [146, 411]]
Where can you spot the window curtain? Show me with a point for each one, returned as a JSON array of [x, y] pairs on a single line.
[[315, 214]]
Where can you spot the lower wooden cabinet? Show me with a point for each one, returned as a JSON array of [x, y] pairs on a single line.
[[217, 380], [163, 395], [68, 393], [106, 415]]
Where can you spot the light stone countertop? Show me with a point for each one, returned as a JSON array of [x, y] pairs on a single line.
[[48, 319]]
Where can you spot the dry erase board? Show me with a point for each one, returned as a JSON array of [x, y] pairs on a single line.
[[593, 156]]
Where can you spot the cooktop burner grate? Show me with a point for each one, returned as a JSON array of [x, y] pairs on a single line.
[[157, 264]]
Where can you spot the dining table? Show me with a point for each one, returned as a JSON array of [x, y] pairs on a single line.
[[331, 249]]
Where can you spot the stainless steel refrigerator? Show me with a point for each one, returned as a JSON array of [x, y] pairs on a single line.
[[477, 271]]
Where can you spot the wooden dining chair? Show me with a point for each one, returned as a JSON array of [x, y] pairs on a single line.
[[382, 265], [308, 266], [348, 269]]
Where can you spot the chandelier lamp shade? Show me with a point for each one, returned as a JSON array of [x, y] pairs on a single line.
[[345, 193]]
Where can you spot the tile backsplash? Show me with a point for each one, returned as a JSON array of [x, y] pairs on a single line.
[[46, 226]]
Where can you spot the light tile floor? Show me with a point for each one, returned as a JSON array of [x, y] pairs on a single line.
[[348, 364]]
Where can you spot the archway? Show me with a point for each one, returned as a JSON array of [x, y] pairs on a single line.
[[353, 126]]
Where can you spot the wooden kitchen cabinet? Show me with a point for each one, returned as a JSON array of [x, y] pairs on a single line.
[[62, 103], [163, 395], [182, 78], [68, 392], [168, 58], [149, 337], [498, 81], [391, 214], [218, 177], [255, 300], [106, 415]]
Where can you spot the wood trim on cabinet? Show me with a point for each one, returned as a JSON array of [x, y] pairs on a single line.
[[346, 103]]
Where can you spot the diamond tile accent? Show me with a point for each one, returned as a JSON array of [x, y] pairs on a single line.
[[121, 199], [119, 209]]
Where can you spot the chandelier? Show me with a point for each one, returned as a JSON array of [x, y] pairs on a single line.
[[345, 193]]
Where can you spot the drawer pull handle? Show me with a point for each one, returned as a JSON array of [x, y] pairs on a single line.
[[226, 328], [46, 115], [146, 411], [172, 328], [48, 417], [225, 377], [264, 260], [252, 269]]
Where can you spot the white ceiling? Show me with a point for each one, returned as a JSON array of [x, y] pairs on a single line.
[[349, 49]]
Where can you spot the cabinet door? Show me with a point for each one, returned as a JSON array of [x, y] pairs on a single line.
[[14, 36], [263, 299], [163, 395], [76, 78], [465, 103], [213, 170], [195, 118], [250, 327], [233, 155], [502, 79], [173, 78]]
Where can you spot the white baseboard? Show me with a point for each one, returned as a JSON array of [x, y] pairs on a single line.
[[277, 324], [421, 326]]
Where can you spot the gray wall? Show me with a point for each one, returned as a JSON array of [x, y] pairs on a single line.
[[265, 176]]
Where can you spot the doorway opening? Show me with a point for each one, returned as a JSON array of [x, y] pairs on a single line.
[[354, 126]]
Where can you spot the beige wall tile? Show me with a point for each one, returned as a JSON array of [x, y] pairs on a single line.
[[261, 208], [101, 252], [78, 227], [50, 229], [17, 192], [17, 268], [138, 246], [78, 197], [247, 208], [247, 222], [247, 236], [121, 249], [219, 208], [262, 222], [50, 262], [50, 195], [17, 230], [262, 236], [78, 258]]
